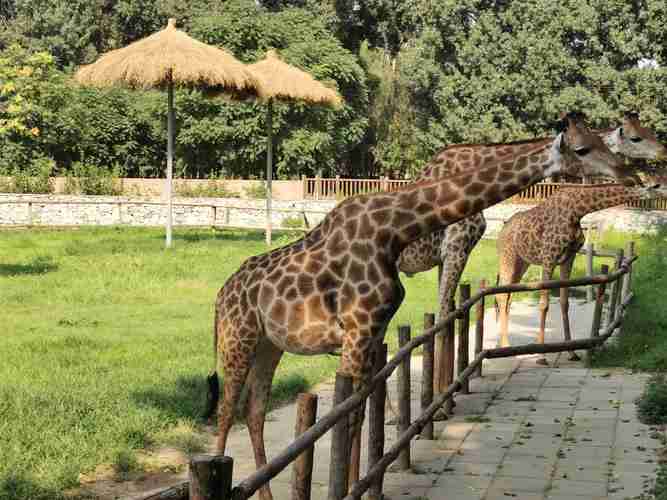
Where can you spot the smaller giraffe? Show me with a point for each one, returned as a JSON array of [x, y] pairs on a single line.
[[549, 235], [633, 140]]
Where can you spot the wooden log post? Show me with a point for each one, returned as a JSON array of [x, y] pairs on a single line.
[[590, 290], [599, 304], [210, 477], [302, 473], [318, 186], [627, 282], [404, 396], [615, 291], [464, 337], [340, 443], [479, 327], [427, 376], [439, 346], [376, 422], [447, 376]]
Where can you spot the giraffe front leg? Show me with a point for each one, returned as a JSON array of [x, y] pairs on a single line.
[[356, 363], [547, 272], [565, 271]]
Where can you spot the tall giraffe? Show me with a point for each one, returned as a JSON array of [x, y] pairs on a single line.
[[339, 286], [549, 235], [452, 246]]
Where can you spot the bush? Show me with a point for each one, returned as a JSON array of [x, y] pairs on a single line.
[[212, 189], [257, 191], [293, 222], [93, 180], [35, 179], [652, 406]]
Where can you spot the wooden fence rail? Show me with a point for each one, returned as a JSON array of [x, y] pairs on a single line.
[[346, 402]]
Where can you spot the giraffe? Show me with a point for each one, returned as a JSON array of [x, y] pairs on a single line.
[[452, 246], [550, 235], [338, 286]]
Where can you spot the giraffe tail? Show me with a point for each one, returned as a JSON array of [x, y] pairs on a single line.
[[213, 395]]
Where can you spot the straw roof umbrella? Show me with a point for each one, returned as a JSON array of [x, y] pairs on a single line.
[[286, 82], [164, 59]]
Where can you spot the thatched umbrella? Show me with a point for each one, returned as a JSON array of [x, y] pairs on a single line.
[[164, 59], [286, 82]]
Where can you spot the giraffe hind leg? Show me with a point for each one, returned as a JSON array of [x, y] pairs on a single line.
[[259, 391]]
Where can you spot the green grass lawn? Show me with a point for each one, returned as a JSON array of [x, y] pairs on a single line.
[[107, 340]]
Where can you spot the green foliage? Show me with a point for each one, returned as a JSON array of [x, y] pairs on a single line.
[[652, 405], [35, 178], [93, 180], [211, 189], [643, 345], [292, 222], [256, 190]]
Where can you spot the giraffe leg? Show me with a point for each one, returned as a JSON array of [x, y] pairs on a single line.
[[512, 268], [565, 271], [236, 365], [460, 240], [259, 390], [547, 273]]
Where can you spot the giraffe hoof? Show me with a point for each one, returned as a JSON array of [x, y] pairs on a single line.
[[574, 357], [543, 362]]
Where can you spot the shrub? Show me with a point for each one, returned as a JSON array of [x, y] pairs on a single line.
[[257, 191], [293, 222], [93, 180], [35, 178], [652, 406], [212, 189]]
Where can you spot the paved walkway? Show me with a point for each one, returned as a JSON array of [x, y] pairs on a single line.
[[526, 431]]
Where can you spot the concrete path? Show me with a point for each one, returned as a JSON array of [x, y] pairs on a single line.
[[526, 431]]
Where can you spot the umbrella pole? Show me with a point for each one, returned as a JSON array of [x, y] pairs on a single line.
[[170, 155], [269, 167]]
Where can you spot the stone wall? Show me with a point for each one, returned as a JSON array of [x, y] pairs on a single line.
[[62, 210]]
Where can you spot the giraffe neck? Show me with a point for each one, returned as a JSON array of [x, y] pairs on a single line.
[[461, 158], [427, 206], [586, 200]]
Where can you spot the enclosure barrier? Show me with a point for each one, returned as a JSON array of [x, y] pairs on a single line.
[[346, 402]]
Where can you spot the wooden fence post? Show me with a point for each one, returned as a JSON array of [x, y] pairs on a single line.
[[318, 186], [590, 290], [227, 216], [304, 187], [210, 477], [448, 368], [615, 289], [427, 376], [464, 337], [439, 347], [338, 195], [404, 396], [340, 443], [479, 327], [627, 283], [376, 422], [302, 472], [599, 303]]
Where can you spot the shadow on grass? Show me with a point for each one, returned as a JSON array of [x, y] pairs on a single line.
[[186, 398], [37, 266]]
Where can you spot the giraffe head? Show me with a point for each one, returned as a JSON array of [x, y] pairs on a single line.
[[579, 152], [635, 141]]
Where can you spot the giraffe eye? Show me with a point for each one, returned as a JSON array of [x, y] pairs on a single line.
[[582, 151], [635, 139]]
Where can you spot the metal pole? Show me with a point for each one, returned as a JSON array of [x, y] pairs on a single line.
[[170, 155], [269, 167]]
